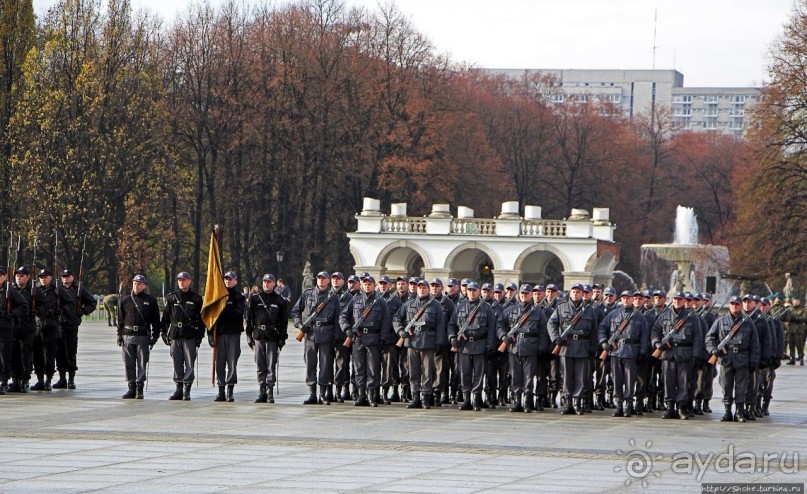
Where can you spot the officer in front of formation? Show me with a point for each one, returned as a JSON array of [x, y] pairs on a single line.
[[68, 343], [228, 329], [51, 305], [320, 304], [737, 358], [138, 331], [367, 324], [576, 347], [12, 306], [476, 320], [183, 330], [22, 351], [267, 331]]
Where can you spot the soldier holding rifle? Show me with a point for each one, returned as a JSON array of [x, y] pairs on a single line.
[[316, 316], [733, 340], [573, 330], [420, 324], [68, 343], [624, 335]]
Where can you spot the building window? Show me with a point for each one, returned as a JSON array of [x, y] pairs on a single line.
[[739, 99], [687, 99], [711, 99]]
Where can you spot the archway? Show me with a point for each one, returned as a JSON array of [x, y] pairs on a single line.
[[471, 262], [541, 266], [401, 260]]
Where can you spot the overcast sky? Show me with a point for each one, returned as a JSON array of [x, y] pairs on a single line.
[[712, 42]]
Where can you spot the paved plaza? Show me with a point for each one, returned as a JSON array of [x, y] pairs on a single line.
[[91, 440]]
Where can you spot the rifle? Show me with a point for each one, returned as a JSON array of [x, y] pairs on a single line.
[[665, 341], [725, 341], [33, 269], [780, 313], [9, 270], [310, 319], [521, 320], [468, 322], [80, 273], [718, 309], [619, 331], [569, 328], [408, 328], [55, 273], [354, 330]]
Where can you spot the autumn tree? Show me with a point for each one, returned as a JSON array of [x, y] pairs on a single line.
[[769, 234], [87, 136]]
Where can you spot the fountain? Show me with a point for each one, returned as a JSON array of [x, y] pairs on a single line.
[[685, 264]]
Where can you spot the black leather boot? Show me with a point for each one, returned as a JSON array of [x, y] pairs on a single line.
[[339, 394], [131, 394], [312, 396], [407, 391], [345, 396], [618, 412], [177, 393], [375, 397], [61, 383], [395, 398], [220, 396], [466, 403], [629, 408], [529, 402], [739, 415], [749, 412], [361, 400], [385, 394], [706, 408], [416, 403], [186, 392], [477, 402], [262, 396], [765, 404], [539, 403], [230, 389], [698, 407], [683, 410], [71, 380], [491, 399], [270, 394], [324, 390], [517, 406], [669, 412], [40, 383], [329, 394], [139, 391], [48, 386], [638, 409], [14, 387], [438, 399], [568, 407], [728, 416], [427, 398]]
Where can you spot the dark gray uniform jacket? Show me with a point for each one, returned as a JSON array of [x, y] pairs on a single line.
[[633, 341], [582, 340], [532, 338], [687, 343], [427, 330], [480, 333], [268, 317], [325, 326], [376, 328], [742, 349]]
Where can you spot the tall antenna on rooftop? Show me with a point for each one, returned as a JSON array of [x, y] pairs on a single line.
[[655, 25]]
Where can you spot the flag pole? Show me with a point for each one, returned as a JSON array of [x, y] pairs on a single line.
[[213, 363]]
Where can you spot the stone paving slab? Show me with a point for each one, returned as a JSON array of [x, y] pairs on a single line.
[[90, 440]]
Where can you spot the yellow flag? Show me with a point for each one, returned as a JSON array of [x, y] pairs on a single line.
[[215, 290]]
